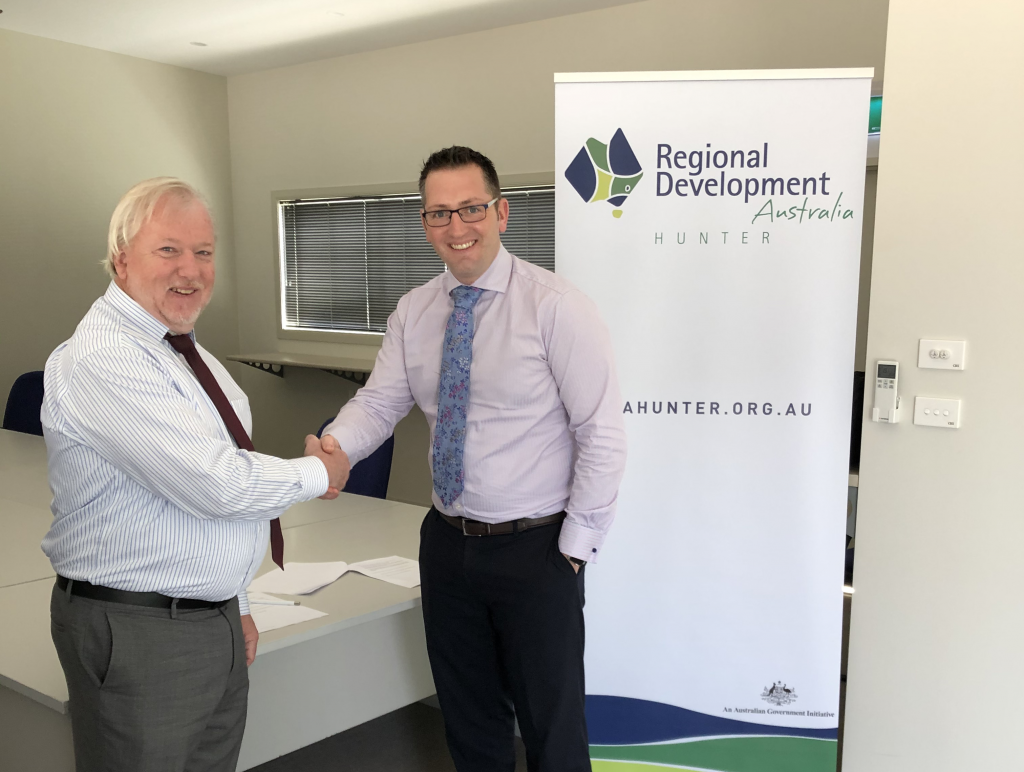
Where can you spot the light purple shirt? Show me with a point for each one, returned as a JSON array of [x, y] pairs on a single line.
[[544, 427]]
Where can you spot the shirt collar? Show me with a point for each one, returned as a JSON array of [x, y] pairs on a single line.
[[495, 278], [134, 314]]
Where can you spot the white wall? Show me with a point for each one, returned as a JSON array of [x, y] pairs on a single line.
[[369, 119], [78, 127], [935, 671]]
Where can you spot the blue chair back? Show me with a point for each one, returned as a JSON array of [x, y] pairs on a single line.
[[24, 403], [370, 476]]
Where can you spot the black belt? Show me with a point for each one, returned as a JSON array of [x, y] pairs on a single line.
[[148, 599], [478, 528]]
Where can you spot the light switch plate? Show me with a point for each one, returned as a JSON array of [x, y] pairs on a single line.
[[931, 411], [942, 354]]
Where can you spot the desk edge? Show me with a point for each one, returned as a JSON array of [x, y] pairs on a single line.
[[317, 632]]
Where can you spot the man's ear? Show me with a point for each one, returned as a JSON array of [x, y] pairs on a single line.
[[502, 211], [121, 265]]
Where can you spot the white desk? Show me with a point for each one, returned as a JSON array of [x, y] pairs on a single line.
[[346, 505], [24, 508], [309, 681], [354, 598], [365, 659], [21, 559], [28, 661]]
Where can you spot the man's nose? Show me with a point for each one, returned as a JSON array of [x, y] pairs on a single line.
[[457, 225], [189, 265]]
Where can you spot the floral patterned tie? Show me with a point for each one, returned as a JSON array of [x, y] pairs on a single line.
[[453, 395]]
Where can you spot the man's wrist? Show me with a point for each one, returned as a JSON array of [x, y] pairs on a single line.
[[576, 561], [313, 475]]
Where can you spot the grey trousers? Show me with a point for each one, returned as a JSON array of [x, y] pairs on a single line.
[[148, 692]]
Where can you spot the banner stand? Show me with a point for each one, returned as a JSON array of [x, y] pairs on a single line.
[[715, 218]]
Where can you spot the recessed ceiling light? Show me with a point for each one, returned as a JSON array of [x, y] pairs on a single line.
[[197, 43]]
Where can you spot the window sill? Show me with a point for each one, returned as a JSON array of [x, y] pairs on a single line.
[[351, 368], [373, 339]]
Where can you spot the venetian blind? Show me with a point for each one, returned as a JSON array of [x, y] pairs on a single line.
[[346, 262]]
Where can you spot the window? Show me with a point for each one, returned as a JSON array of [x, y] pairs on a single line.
[[346, 262]]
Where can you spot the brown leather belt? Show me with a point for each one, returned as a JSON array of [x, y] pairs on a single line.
[[147, 599], [478, 528]]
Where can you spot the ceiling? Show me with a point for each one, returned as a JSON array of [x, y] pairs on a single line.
[[249, 35]]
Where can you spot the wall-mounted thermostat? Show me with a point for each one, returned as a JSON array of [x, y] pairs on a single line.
[[887, 398], [942, 354]]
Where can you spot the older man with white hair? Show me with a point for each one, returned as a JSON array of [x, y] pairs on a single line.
[[161, 506]]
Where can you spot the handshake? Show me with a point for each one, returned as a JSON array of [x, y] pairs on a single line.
[[334, 458]]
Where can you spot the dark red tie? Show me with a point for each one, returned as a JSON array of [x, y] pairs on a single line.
[[183, 345]]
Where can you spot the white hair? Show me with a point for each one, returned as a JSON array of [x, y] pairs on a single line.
[[136, 207]]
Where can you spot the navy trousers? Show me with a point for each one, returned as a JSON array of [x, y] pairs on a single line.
[[505, 635]]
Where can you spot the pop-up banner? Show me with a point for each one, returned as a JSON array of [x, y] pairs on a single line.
[[715, 218]]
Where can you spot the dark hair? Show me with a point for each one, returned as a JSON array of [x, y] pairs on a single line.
[[455, 157]]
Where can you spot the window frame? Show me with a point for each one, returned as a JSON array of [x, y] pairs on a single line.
[[352, 338]]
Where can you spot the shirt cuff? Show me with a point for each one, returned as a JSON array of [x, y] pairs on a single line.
[[353, 445], [580, 542], [314, 478], [243, 603]]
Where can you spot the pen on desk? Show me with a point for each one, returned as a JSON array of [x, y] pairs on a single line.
[[275, 603]]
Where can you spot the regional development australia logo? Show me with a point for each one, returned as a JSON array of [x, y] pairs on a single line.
[[601, 172]]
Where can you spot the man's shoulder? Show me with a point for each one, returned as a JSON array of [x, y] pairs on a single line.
[[540, 280], [100, 329], [101, 333], [432, 287], [423, 294], [99, 343]]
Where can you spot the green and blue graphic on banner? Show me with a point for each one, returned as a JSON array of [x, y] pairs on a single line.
[[628, 735], [601, 172]]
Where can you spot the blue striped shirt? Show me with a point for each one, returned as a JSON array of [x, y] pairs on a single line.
[[150, 492]]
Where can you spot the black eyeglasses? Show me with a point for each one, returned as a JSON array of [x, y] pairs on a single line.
[[438, 218]]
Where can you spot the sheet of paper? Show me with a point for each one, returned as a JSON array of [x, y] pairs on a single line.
[[269, 618], [401, 571], [298, 578]]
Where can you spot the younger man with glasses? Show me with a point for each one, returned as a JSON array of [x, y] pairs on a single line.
[[513, 369]]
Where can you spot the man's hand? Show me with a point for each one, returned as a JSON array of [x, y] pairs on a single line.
[[334, 458], [251, 636], [575, 567]]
